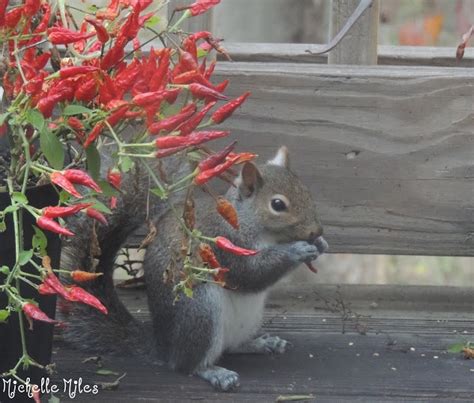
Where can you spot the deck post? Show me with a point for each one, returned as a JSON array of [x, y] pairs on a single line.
[[359, 46]]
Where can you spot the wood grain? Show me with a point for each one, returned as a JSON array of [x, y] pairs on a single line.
[[388, 152], [359, 46], [387, 55], [394, 361]]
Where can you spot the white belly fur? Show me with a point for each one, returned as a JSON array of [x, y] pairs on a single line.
[[242, 316]]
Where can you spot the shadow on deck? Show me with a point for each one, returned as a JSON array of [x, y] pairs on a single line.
[[394, 349]]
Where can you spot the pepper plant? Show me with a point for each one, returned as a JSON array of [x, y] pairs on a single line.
[[71, 87]]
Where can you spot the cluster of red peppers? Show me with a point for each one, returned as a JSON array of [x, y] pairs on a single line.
[[104, 83]]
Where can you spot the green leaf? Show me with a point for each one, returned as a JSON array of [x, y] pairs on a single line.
[[4, 270], [99, 206], [107, 189], [126, 164], [188, 292], [3, 226], [4, 314], [53, 399], [93, 161], [64, 197], [151, 22], [201, 53], [159, 192], [75, 110], [19, 197], [106, 372], [194, 156], [3, 117], [456, 348], [25, 257], [52, 149], [39, 241], [35, 117]]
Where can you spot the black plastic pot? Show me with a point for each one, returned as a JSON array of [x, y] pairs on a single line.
[[39, 339]]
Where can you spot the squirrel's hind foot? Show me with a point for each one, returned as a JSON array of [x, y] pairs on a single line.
[[220, 378], [264, 344]]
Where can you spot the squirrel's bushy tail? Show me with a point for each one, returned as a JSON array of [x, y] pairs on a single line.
[[94, 248]]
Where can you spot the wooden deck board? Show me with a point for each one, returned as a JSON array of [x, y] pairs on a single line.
[[394, 361]]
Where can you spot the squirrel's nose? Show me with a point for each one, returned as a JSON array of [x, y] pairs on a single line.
[[314, 235]]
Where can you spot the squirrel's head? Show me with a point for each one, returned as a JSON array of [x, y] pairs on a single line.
[[281, 208]]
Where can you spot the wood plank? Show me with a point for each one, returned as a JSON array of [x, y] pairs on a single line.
[[387, 55], [387, 151], [395, 361]]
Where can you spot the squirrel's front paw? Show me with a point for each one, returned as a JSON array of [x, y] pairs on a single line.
[[303, 251]]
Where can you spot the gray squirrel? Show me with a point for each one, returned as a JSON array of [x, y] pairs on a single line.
[[277, 216]]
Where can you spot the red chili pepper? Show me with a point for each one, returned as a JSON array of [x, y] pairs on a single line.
[[187, 77], [96, 215], [199, 6], [100, 30], [87, 90], [219, 276], [3, 8], [126, 78], [59, 179], [116, 116], [227, 211], [107, 90], [130, 29], [34, 85], [201, 91], [113, 202], [43, 25], [206, 176], [148, 98], [46, 105], [195, 120], [94, 134], [80, 295], [187, 62], [79, 177], [169, 151], [54, 212], [75, 124], [64, 36], [207, 255], [33, 312], [12, 17], [228, 246], [49, 224], [171, 123], [45, 289], [32, 7], [191, 140], [51, 282], [242, 157], [114, 55], [225, 111], [72, 71], [215, 159], [159, 76], [40, 61], [210, 70], [172, 95], [81, 276], [114, 177]]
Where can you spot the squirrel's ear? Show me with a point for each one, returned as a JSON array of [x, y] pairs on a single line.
[[249, 180], [281, 158]]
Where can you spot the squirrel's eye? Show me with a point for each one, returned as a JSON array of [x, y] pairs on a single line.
[[278, 205]]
